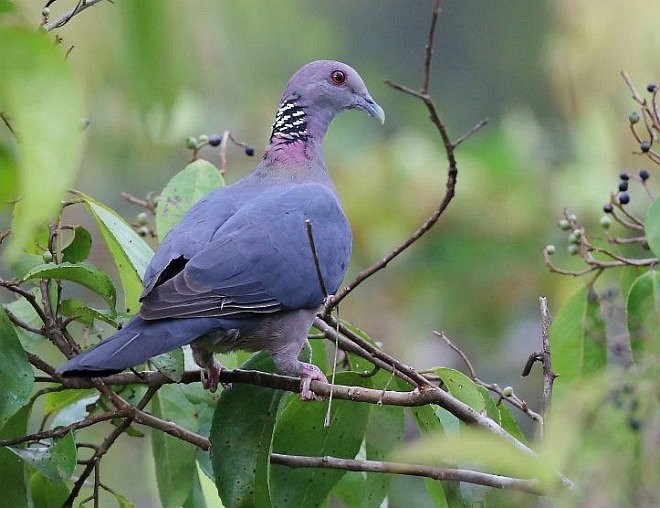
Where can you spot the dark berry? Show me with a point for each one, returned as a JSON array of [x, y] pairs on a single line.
[[644, 174], [624, 198], [651, 87], [633, 117], [624, 176], [608, 208], [623, 186], [214, 140], [249, 150], [645, 146]]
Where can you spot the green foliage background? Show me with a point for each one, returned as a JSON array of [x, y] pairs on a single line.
[[151, 73]]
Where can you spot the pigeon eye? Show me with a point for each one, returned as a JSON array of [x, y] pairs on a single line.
[[338, 77]]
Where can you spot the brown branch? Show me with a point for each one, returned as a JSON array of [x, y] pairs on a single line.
[[68, 15], [548, 374], [512, 398], [452, 171], [435, 473]]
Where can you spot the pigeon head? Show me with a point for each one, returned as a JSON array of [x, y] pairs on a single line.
[[314, 95]]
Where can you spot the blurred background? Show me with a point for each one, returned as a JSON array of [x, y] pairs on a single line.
[[546, 74]]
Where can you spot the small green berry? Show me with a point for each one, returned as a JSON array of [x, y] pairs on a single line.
[[249, 150], [577, 233], [633, 117], [214, 140], [564, 225], [572, 250], [573, 239], [191, 143], [550, 249], [624, 198], [644, 174], [605, 221], [45, 12], [645, 146], [143, 218], [507, 391], [203, 138], [572, 217], [143, 231], [608, 208], [47, 256]]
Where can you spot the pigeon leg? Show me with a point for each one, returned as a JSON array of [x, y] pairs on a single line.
[[308, 373], [210, 368]]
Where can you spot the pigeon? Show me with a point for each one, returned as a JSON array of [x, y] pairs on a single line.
[[239, 270]]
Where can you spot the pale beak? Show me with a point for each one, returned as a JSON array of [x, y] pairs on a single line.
[[370, 106]]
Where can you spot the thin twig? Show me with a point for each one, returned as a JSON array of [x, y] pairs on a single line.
[[68, 15], [436, 473], [548, 374], [315, 255]]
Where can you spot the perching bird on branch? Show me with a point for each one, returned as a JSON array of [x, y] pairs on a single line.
[[238, 271]]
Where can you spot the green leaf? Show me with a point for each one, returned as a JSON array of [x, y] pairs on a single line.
[[55, 401], [22, 310], [171, 364], [13, 479], [385, 431], [75, 412], [8, 176], [461, 387], [82, 273], [492, 410], [56, 461], [122, 501], [41, 95], [652, 227], [241, 435], [80, 246], [478, 448], [299, 431], [174, 458], [510, 424], [643, 309], [72, 307], [130, 253], [184, 190], [16, 374], [47, 493], [577, 340]]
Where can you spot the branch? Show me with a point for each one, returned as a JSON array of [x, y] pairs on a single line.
[[548, 374], [452, 172], [66, 17], [435, 473]]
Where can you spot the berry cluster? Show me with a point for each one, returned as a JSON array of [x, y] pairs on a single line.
[[648, 117], [195, 144]]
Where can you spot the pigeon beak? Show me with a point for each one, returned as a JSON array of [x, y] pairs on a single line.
[[370, 106]]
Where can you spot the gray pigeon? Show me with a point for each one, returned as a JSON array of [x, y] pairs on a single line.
[[238, 271]]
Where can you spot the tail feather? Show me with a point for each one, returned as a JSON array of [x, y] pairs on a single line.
[[135, 343]]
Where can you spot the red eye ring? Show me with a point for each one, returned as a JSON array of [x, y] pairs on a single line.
[[337, 77]]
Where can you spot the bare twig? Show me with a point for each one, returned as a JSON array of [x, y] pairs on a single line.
[[548, 374], [68, 15], [512, 398], [436, 473], [315, 255], [452, 171]]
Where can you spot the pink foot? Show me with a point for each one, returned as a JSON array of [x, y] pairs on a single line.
[[211, 376], [308, 374]]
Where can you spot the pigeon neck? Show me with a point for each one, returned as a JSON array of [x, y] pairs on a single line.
[[298, 130]]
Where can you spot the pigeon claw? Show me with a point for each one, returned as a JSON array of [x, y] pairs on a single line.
[[308, 374], [211, 376]]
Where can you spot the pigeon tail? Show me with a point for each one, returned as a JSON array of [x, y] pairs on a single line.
[[135, 343]]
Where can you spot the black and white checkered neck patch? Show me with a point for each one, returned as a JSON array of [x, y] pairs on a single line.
[[290, 122]]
